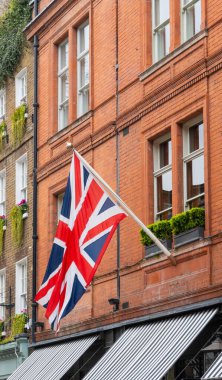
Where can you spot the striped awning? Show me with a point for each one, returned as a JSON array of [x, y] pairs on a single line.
[[215, 370], [52, 362], [149, 351]]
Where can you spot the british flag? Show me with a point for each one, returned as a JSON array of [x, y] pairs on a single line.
[[87, 222]]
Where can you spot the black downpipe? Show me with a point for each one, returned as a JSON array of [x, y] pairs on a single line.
[[34, 229]]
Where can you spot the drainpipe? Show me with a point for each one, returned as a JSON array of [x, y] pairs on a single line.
[[117, 148], [34, 228]]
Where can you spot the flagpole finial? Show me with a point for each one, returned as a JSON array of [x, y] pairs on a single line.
[[69, 145]]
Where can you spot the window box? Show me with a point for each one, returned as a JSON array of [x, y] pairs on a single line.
[[153, 249], [25, 215], [188, 236]]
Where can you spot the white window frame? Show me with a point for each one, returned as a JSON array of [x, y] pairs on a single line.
[[81, 90], [62, 104], [60, 198], [159, 171], [20, 286], [155, 30], [2, 292], [20, 90], [187, 156], [21, 188], [184, 9], [2, 104], [2, 192]]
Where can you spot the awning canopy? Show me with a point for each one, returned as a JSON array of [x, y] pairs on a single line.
[[149, 351], [52, 362], [215, 370]]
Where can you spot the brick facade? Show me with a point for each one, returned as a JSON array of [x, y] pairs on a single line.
[[8, 157], [153, 99]]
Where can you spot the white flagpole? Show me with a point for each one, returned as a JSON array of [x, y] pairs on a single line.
[[128, 210]]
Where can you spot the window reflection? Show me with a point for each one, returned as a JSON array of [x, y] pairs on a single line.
[[164, 191], [196, 137]]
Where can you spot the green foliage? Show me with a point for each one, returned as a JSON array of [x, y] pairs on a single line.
[[162, 230], [7, 340], [2, 224], [188, 220], [1, 327], [18, 327], [17, 225], [2, 133], [177, 224], [12, 38], [18, 124], [18, 324]]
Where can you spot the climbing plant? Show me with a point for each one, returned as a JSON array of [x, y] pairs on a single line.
[[12, 38], [17, 225], [18, 124], [18, 324], [3, 127]]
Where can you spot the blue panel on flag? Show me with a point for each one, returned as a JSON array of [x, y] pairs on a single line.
[[77, 291], [85, 176], [54, 261], [107, 204], [94, 249], [66, 205]]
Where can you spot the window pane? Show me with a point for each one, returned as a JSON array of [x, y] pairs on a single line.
[[162, 11], [196, 137], [164, 191], [197, 11], [165, 153], [1, 189], [64, 115], [163, 41], [195, 177], [193, 19], [85, 101], [84, 71], [64, 51], [64, 87], [190, 21], [167, 39], [84, 39]]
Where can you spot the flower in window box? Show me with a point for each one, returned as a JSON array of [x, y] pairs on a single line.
[[2, 229], [24, 208]]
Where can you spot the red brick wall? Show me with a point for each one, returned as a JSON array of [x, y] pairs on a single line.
[[186, 83]]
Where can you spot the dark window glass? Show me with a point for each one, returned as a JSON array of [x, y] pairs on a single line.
[[195, 181], [196, 137], [165, 153], [164, 191]]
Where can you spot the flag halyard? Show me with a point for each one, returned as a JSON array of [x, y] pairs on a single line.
[[87, 223]]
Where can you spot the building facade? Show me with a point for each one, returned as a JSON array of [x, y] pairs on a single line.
[[135, 86], [16, 166]]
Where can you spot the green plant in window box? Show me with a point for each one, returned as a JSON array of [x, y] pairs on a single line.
[[161, 229], [16, 217], [3, 127], [18, 124], [18, 324], [2, 230], [188, 220]]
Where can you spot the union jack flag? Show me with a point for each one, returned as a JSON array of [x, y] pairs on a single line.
[[87, 222]]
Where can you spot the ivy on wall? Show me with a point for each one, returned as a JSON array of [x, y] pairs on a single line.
[[12, 38]]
